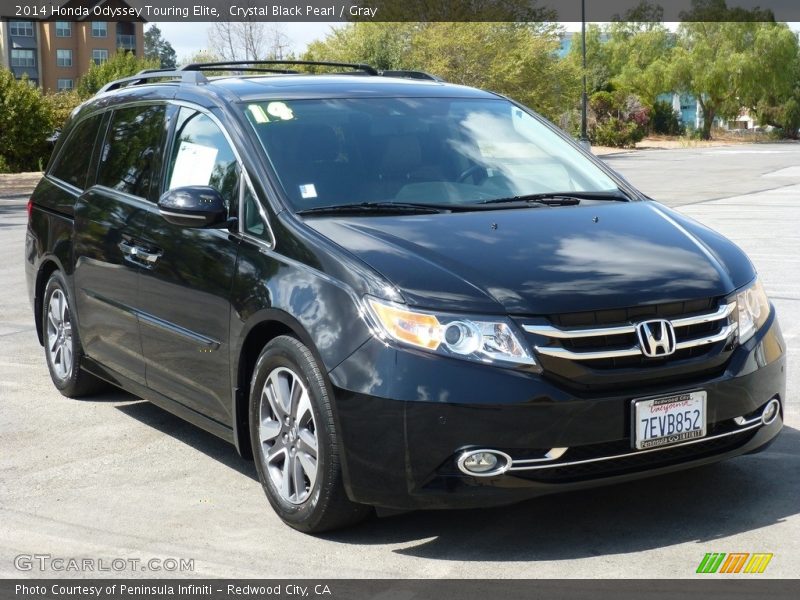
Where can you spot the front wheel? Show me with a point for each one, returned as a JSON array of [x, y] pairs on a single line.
[[294, 440]]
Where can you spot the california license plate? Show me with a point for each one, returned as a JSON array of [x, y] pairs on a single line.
[[669, 420]]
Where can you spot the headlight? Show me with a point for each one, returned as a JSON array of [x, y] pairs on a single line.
[[490, 340], [752, 310]]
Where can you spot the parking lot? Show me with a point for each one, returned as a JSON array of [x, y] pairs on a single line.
[[115, 477]]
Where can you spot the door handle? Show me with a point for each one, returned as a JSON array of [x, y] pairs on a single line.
[[139, 255]]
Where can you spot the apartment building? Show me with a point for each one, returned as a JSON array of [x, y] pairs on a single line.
[[55, 54]]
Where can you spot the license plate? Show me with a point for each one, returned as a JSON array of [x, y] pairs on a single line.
[[669, 419]]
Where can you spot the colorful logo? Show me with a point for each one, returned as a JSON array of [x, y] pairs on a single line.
[[734, 562]]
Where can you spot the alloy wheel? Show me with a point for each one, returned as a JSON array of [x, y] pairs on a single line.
[[288, 435], [59, 335]]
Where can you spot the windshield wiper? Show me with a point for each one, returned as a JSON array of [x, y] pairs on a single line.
[[378, 207], [559, 198]]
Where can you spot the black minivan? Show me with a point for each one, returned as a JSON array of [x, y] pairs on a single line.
[[391, 291]]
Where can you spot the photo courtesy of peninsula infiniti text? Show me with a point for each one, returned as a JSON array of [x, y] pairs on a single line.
[[391, 292]]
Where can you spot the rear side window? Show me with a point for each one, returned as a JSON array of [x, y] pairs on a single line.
[[201, 155], [129, 159], [73, 164]]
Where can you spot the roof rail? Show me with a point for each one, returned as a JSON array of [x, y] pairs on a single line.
[[411, 75], [193, 73], [194, 77], [254, 65]]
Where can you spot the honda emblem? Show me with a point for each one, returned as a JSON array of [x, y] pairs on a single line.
[[656, 338]]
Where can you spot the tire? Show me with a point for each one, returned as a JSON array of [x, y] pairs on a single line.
[[62, 345], [294, 440]]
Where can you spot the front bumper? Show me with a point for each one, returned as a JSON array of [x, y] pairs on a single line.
[[404, 417]]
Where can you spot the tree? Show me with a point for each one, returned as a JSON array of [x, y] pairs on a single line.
[[157, 48], [640, 55], [248, 40], [121, 64], [516, 59], [717, 11], [509, 11], [730, 58], [645, 13], [599, 67], [782, 109], [203, 57], [25, 124], [628, 55], [385, 46], [731, 65], [60, 105]]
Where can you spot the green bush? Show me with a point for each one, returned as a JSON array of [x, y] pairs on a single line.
[[26, 122], [603, 104], [121, 64], [665, 120], [693, 133], [61, 105], [616, 133], [617, 119], [28, 117]]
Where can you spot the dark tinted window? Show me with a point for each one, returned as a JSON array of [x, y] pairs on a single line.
[[128, 162], [253, 221], [73, 164], [201, 155], [436, 150]]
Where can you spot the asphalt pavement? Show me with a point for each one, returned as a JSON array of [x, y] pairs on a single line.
[[116, 477]]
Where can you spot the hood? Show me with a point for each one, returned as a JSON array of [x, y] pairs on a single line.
[[544, 260]]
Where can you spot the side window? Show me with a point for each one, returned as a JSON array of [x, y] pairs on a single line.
[[128, 162], [253, 222], [76, 155], [201, 155]]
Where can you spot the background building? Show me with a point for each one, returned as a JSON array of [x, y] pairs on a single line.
[[55, 54]]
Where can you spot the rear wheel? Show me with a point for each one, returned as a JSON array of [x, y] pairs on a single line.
[[294, 440], [62, 344]]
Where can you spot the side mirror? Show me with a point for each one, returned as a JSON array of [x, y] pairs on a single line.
[[193, 206]]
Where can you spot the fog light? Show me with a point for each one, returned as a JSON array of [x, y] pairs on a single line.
[[480, 462], [484, 463], [771, 411]]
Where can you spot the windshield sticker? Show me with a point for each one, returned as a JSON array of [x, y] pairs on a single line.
[[194, 165], [280, 110], [308, 190], [258, 113]]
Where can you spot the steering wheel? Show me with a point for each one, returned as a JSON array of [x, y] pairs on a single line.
[[473, 172]]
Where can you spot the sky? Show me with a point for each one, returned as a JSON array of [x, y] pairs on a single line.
[[188, 38]]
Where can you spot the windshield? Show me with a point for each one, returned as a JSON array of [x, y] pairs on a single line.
[[439, 151]]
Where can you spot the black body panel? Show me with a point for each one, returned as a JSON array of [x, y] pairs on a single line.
[[106, 281], [184, 329], [185, 301], [551, 260]]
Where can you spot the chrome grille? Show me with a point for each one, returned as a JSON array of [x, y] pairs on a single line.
[[620, 341], [599, 350]]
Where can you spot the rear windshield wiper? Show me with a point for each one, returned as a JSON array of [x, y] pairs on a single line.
[[559, 198], [377, 207]]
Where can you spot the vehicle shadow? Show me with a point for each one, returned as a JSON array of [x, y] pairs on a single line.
[[699, 505], [165, 422]]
